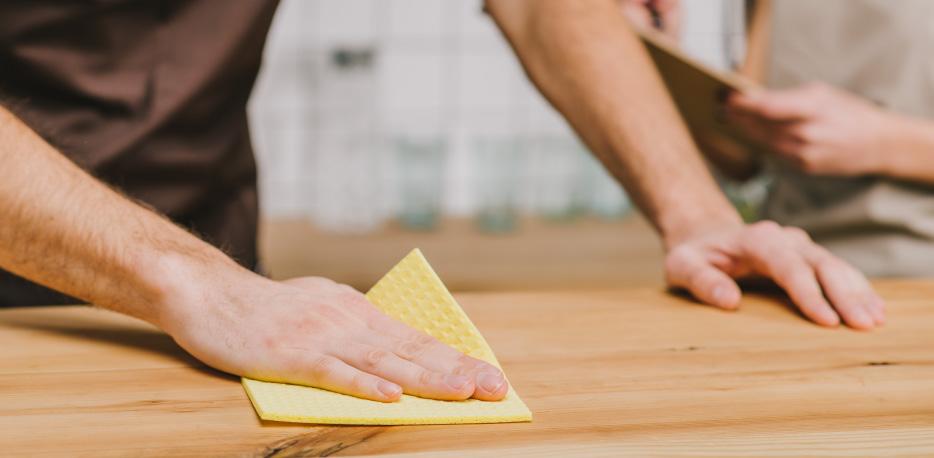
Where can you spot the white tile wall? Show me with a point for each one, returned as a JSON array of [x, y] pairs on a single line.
[[441, 67]]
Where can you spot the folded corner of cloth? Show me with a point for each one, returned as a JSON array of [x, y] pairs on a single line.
[[412, 293]]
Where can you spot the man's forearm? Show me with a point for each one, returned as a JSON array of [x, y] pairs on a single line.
[[62, 228], [585, 59]]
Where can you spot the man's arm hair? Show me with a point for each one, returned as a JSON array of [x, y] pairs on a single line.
[[64, 229]]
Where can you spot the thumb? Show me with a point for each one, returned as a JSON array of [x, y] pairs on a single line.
[[688, 269], [778, 106]]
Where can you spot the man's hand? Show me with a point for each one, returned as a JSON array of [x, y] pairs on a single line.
[[823, 287], [315, 332], [818, 128]]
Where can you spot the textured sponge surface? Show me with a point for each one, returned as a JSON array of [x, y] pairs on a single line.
[[412, 293]]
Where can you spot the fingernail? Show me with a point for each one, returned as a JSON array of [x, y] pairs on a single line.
[[880, 320], [721, 295], [390, 390], [863, 319], [830, 319], [876, 312], [458, 382], [872, 308], [491, 382]]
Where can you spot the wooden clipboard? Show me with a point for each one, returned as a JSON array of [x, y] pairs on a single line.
[[698, 91]]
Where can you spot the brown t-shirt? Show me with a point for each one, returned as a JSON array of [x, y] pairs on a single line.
[[149, 97]]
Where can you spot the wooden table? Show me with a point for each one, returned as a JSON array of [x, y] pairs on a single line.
[[619, 372]]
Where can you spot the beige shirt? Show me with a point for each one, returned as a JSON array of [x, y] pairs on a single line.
[[882, 50]]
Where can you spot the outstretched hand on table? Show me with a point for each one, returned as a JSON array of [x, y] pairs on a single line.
[[825, 288]]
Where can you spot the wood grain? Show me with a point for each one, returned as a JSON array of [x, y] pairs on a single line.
[[614, 372]]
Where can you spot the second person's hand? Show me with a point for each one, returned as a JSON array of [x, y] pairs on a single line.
[[825, 288], [817, 128]]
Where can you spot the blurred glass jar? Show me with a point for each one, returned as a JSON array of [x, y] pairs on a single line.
[[607, 198], [497, 166], [420, 169], [559, 165], [348, 191]]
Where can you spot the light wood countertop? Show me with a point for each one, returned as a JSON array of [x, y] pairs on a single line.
[[613, 372]]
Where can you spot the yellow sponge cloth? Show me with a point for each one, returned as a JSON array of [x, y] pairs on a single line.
[[412, 293]]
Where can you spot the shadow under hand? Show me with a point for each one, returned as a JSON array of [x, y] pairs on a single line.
[[137, 337], [761, 288]]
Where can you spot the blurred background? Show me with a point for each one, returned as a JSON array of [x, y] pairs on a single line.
[[385, 125]]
